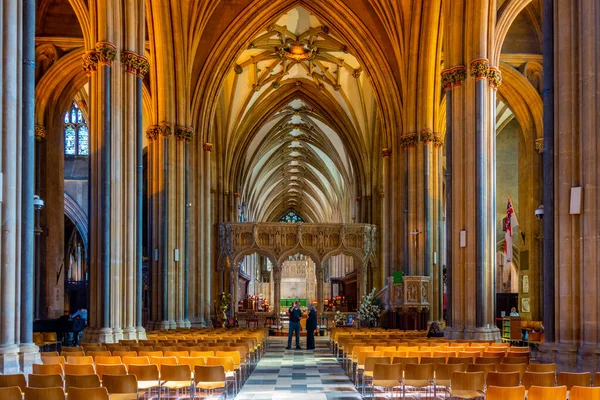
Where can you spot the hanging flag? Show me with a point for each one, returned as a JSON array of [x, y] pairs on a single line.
[[511, 222]]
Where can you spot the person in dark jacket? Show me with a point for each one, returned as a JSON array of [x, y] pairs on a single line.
[[295, 316], [311, 325]]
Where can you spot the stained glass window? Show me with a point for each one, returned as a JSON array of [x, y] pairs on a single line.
[[291, 217], [76, 132]]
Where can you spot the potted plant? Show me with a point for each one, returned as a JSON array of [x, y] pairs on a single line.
[[370, 309], [339, 318], [224, 300]]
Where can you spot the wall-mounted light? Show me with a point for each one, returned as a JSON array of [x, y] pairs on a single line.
[[463, 238]]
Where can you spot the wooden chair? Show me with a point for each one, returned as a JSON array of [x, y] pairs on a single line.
[[110, 369], [50, 339], [596, 379], [80, 360], [520, 368], [227, 364], [369, 368], [96, 354], [570, 379], [44, 381], [178, 353], [447, 353], [11, 393], [191, 361], [95, 393], [49, 353], [208, 378], [124, 353], [433, 360], [122, 387], [467, 385], [176, 378], [542, 379], [460, 360], [203, 353], [443, 375], [160, 361], [128, 361], [503, 379], [79, 369], [485, 368], [387, 376], [584, 393], [80, 381], [107, 360], [417, 376], [542, 368], [515, 360], [53, 393], [547, 393], [47, 369], [405, 360], [488, 360], [505, 392], [66, 354], [13, 380], [150, 353], [53, 360], [147, 377]]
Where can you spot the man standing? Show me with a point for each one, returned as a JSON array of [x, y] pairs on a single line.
[[295, 315]]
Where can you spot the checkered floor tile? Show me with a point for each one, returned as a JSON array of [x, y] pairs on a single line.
[[298, 374]]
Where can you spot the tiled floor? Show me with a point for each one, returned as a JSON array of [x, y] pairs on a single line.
[[298, 374]]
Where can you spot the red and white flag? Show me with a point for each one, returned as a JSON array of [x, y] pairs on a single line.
[[511, 222]]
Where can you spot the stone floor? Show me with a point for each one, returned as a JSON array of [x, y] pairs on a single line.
[[298, 374]]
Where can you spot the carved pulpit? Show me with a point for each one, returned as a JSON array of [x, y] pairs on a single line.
[[410, 302]]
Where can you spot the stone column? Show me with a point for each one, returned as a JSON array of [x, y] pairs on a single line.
[[208, 267], [320, 284], [361, 280], [40, 137], [277, 291], [387, 226]]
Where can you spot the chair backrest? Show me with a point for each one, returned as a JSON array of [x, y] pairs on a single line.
[[542, 368], [47, 369], [108, 360], [53, 360], [177, 353], [175, 373], [150, 353], [542, 379], [96, 354], [209, 373], [547, 393], [388, 372], [79, 369], [144, 372], [49, 353], [505, 392], [433, 360], [53, 393], [467, 380], [95, 393], [135, 360], [191, 361], [445, 371], [460, 360], [418, 371], [485, 368], [584, 393], [66, 354], [13, 380], [520, 368], [72, 349], [160, 361], [120, 384], [208, 348], [371, 361], [596, 379], [11, 393], [446, 353], [488, 360], [203, 353], [226, 362], [235, 356], [79, 360], [503, 379], [515, 360], [570, 379], [110, 369], [81, 381], [44, 381], [124, 353]]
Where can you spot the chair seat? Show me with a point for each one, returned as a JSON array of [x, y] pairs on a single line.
[[210, 385], [386, 383], [466, 394], [123, 396], [148, 384], [442, 382], [176, 384], [368, 374], [419, 383]]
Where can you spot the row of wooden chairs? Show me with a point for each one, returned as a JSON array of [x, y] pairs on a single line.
[[142, 379]]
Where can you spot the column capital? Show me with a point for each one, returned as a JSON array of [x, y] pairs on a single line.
[[453, 77], [539, 145], [165, 128], [107, 52], [479, 68], [90, 61], [135, 64], [369, 197], [208, 147], [408, 140], [494, 77], [386, 152], [226, 193], [40, 133], [142, 66], [428, 136], [358, 199], [152, 132], [183, 133], [236, 195]]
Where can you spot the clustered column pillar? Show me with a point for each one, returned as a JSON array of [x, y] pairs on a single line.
[[207, 260]]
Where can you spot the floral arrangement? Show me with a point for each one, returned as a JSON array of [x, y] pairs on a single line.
[[339, 318], [224, 300], [370, 309]]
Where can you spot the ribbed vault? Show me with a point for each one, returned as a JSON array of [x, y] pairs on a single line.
[[299, 120]]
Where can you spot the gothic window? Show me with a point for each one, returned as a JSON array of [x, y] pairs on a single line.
[[76, 133], [291, 217]]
